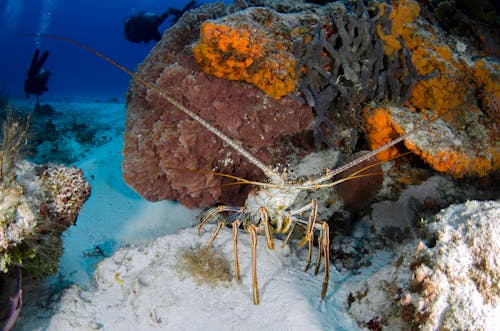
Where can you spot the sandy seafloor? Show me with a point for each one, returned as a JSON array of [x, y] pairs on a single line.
[[139, 286]]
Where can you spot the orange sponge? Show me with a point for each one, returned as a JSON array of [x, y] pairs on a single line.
[[250, 55], [381, 130], [402, 16]]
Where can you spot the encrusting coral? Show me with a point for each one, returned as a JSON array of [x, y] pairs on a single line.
[[446, 149]]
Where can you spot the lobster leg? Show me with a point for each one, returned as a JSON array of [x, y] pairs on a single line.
[[214, 212], [265, 218], [313, 205], [216, 232], [325, 239], [309, 252], [252, 230], [289, 235], [311, 224], [320, 253], [236, 225]]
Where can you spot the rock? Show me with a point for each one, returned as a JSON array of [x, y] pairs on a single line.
[[445, 144], [450, 280], [360, 191]]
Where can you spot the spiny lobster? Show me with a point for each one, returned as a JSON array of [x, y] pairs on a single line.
[[269, 209]]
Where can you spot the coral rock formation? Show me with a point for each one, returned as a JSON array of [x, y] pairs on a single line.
[[463, 92], [448, 281], [67, 190], [169, 156], [35, 209], [341, 57], [441, 143]]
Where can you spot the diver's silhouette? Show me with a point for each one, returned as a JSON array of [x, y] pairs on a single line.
[[37, 77], [143, 27]]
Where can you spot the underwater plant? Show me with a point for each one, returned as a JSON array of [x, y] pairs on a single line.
[[206, 266]]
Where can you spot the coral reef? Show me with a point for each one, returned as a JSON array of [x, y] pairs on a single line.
[[54, 124], [472, 20], [169, 156], [348, 58], [35, 209]]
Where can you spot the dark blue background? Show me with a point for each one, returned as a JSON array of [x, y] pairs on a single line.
[[74, 72]]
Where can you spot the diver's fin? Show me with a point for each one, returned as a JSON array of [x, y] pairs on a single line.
[[176, 13], [190, 5], [42, 59], [164, 16], [33, 69]]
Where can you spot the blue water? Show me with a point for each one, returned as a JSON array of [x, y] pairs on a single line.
[[74, 72]]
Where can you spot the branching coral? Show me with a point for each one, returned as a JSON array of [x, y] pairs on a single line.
[[344, 65]]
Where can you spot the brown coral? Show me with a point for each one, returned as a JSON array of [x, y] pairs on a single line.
[[169, 156]]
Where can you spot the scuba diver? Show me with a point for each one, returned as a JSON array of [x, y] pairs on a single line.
[[143, 27], [37, 77]]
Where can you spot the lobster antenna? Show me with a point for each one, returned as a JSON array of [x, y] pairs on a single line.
[[268, 171]]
